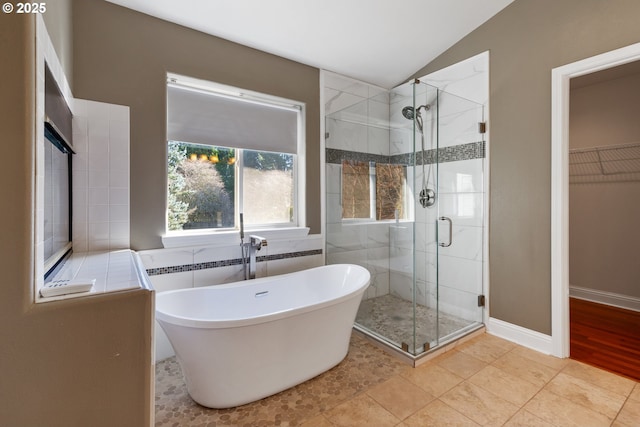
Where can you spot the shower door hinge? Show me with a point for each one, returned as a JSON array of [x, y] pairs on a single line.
[[481, 300], [482, 127]]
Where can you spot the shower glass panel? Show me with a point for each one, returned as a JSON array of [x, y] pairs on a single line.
[[456, 276], [405, 200]]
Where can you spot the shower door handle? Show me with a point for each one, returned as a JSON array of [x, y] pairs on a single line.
[[444, 218]]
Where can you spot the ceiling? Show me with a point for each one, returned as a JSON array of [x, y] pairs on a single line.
[[377, 41]]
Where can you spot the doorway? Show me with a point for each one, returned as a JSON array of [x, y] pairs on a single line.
[[560, 183], [604, 160]]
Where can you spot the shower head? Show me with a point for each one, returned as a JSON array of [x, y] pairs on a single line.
[[410, 113]]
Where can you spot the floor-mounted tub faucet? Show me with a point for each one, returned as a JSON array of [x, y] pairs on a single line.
[[249, 250], [255, 243]]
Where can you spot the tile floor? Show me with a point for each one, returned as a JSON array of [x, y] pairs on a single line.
[[485, 381]]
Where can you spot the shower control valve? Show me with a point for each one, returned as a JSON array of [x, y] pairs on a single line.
[[427, 197]]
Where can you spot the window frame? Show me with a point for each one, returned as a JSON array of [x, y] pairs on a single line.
[[176, 238], [54, 140]]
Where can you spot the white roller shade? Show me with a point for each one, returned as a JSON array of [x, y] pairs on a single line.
[[203, 117]]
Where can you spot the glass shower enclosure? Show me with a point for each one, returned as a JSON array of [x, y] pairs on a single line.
[[405, 199]]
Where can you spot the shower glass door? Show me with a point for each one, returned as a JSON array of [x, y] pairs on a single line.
[[449, 217], [425, 134]]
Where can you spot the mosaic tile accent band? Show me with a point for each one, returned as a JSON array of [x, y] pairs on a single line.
[[333, 155], [472, 150], [227, 262]]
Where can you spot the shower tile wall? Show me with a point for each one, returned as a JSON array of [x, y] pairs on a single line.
[[365, 130]]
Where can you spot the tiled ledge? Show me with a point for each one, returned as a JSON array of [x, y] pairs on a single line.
[[113, 271]]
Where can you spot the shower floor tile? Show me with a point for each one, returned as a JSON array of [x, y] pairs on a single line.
[[392, 318]]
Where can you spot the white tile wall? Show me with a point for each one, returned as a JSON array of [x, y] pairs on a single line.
[[360, 123], [344, 85], [100, 176], [467, 79], [458, 121], [346, 135], [158, 258]]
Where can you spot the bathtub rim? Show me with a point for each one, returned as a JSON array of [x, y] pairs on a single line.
[[199, 323]]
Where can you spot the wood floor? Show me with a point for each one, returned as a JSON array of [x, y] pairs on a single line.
[[605, 336]]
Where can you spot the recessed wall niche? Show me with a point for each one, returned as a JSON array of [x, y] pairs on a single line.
[[99, 168]]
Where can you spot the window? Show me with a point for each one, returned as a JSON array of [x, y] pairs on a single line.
[[230, 153], [57, 187], [373, 190], [57, 197], [390, 189]]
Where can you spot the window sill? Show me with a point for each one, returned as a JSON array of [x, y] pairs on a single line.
[[226, 238]]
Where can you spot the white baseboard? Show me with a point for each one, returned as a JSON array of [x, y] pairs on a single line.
[[603, 297], [519, 335]]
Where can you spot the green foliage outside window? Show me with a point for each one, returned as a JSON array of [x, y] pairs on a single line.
[[201, 186], [200, 190]]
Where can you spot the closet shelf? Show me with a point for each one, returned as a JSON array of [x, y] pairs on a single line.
[[609, 163]]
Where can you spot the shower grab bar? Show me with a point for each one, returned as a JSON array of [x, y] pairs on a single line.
[[444, 218]]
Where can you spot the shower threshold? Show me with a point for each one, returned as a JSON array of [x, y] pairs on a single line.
[[415, 360]]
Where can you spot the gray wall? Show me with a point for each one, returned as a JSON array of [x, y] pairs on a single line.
[[526, 41], [606, 112], [603, 217], [82, 362], [122, 57]]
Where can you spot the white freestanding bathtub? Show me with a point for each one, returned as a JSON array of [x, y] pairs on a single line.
[[240, 342]]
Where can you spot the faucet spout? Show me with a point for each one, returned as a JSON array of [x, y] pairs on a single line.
[[257, 242], [252, 246]]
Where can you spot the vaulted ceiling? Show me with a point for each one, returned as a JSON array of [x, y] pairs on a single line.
[[378, 41]]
